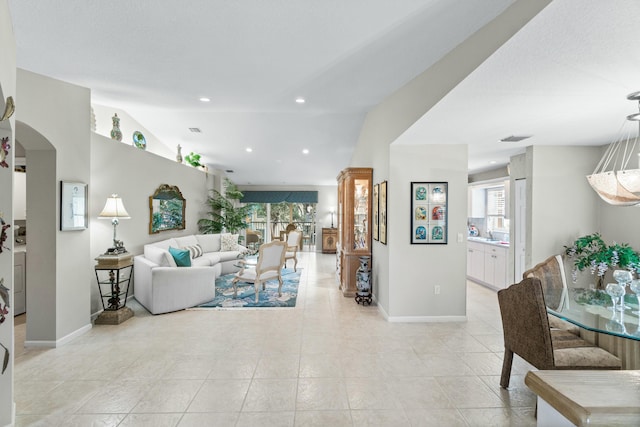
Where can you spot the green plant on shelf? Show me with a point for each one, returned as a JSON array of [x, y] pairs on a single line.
[[193, 159]]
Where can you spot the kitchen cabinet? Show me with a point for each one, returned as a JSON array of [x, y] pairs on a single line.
[[19, 196], [495, 267], [476, 202], [475, 261], [354, 224], [19, 282], [487, 264]]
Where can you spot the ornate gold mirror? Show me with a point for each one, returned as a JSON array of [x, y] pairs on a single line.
[[166, 209]]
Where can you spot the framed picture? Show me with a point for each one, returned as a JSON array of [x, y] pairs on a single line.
[[73, 206], [429, 213], [382, 208], [376, 193]]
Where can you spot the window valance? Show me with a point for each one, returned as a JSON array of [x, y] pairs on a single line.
[[280, 196]]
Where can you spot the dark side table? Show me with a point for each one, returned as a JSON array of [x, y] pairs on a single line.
[[113, 274]]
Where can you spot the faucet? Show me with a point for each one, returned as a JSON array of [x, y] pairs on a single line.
[[490, 235]]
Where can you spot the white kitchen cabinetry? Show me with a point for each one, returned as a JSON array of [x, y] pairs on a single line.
[[476, 202], [19, 283], [495, 266], [475, 261], [487, 264]]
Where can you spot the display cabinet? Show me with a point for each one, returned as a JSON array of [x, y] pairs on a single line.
[[354, 224]]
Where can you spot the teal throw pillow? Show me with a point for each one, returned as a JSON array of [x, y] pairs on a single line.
[[181, 256]]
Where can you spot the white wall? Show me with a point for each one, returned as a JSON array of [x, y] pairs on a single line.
[[414, 270], [128, 125], [561, 203], [388, 120], [60, 113], [7, 88], [135, 174]]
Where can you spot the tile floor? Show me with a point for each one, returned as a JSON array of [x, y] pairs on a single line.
[[327, 362]]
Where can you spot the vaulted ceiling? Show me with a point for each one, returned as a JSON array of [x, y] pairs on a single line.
[[562, 79]]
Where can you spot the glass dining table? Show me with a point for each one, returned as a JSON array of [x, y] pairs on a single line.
[[592, 310]]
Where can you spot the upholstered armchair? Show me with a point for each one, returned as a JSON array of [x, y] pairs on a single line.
[[269, 267], [293, 243], [527, 334]]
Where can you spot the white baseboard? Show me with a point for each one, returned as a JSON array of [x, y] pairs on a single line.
[[62, 341], [420, 319], [426, 319]]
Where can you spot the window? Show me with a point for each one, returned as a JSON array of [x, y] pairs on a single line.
[[496, 209]]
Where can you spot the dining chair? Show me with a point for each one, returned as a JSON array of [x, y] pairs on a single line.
[[293, 243], [269, 267], [551, 273], [527, 333], [253, 239]]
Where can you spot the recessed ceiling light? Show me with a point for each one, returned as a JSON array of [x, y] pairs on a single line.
[[492, 162], [300, 100], [249, 149], [205, 99], [195, 130], [305, 151], [229, 171]]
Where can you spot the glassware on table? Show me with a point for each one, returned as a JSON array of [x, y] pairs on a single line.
[[616, 325], [635, 287], [615, 291], [622, 277]]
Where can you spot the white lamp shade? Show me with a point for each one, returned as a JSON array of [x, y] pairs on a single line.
[[630, 180], [114, 208], [610, 190]]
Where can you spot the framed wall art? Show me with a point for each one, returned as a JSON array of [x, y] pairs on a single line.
[[375, 213], [73, 206], [382, 208], [429, 213]]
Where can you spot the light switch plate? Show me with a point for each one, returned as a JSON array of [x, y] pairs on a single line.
[[459, 237]]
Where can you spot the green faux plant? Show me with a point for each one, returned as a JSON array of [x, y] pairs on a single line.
[[591, 252], [193, 159], [224, 214]]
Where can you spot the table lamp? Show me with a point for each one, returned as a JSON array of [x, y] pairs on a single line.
[[333, 211], [114, 210]]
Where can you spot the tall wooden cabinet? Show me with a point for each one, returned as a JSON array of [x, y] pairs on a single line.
[[354, 224]]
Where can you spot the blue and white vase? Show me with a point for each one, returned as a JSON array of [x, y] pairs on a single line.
[[363, 277]]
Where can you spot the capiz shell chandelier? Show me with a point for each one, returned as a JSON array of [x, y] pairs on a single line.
[[614, 183]]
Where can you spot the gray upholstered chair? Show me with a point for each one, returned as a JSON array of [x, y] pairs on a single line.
[[293, 243], [269, 267], [526, 333]]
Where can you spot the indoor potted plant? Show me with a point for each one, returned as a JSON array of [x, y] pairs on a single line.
[[591, 252], [225, 214], [193, 159]]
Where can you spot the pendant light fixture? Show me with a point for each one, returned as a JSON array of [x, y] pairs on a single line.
[[614, 183]]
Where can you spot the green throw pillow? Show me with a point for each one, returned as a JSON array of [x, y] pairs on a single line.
[[181, 256]]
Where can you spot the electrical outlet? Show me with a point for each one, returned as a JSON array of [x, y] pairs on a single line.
[[436, 290]]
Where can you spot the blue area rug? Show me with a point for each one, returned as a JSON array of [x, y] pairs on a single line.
[[247, 296]]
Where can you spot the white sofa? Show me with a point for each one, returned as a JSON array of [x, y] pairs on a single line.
[[161, 286]]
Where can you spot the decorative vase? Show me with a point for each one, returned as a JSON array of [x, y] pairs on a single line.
[[363, 281], [179, 155], [115, 132]]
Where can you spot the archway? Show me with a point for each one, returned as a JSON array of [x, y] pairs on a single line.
[[41, 224]]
